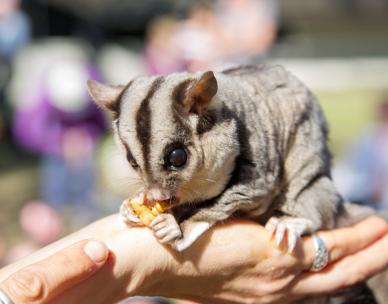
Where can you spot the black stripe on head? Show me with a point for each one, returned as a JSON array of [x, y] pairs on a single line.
[[143, 122], [206, 122], [129, 155], [117, 108]]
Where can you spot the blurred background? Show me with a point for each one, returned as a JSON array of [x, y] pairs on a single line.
[[59, 169]]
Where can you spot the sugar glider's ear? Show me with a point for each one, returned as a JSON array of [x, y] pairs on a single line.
[[200, 93], [105, 96]]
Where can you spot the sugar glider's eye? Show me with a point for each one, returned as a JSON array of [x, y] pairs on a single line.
[[176, 158]]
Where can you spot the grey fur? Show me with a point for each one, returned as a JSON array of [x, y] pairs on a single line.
[[284, 161]]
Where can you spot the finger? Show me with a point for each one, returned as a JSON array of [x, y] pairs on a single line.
[[157, 220], [158, 226], [42, 281], [162, 232], [167, 239], [170, 236], [346, 271], [344, 241]]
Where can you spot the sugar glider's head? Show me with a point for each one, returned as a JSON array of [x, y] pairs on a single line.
[[175, 134]]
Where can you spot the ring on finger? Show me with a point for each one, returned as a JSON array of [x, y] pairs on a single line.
[[321, 256], [4, 299]]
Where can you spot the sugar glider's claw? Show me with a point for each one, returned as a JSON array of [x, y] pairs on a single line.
[[271, 225], [292, 239], [281, 230], [291, 227]]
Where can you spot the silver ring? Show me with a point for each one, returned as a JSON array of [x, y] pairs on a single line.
[[321, 257], [4, 299]]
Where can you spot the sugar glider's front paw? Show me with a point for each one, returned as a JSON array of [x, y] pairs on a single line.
[[293, 227], [128, 215], [166, 228]]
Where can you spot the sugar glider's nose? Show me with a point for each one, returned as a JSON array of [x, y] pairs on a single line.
[[159, 194]]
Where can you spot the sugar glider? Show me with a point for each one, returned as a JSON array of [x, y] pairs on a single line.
[[249, 141]]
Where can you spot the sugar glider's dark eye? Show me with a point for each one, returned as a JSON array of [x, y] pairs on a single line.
[[177, 158]]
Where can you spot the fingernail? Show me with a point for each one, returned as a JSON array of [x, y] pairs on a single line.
[[96, 251]]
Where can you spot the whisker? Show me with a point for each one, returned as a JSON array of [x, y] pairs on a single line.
[[204, 179], [209, 180], [191, 192]]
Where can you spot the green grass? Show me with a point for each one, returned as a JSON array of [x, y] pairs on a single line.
[[349, 113]]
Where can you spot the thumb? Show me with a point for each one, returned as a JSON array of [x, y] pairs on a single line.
[[42, 281]]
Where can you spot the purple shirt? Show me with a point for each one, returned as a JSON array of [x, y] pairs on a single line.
[[40, 127]]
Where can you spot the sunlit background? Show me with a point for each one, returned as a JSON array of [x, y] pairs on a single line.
[[58, 166]]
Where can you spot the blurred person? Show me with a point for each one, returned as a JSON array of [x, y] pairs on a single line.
[[41, 224], [362, 176], [198, 39], [161, 54], [230, 32], [15, 28], [64, 126], [15, 31], [249, 28]]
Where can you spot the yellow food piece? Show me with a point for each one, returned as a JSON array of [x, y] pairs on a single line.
[[147, 215], [158, 208]]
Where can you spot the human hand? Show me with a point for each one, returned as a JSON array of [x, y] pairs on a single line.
[[42, 281], [240, 265], [231, 263]]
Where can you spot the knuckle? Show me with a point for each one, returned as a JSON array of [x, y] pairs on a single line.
[[334, 246], [64, 260], [28, 286]]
